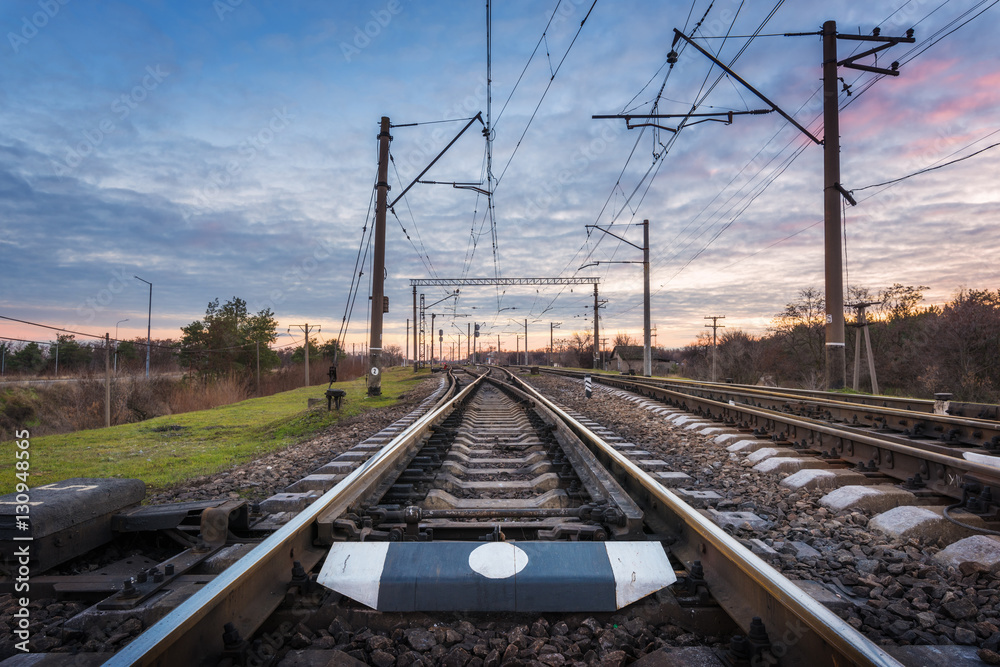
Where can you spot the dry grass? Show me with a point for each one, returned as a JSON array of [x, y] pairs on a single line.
[[79, 405]]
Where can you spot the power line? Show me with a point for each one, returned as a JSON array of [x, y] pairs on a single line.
[[924, 171]]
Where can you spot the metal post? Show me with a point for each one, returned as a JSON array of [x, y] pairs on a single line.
[[836, 363], [307, 354], [433, 315], [116, 343], [149, 321], [416, 365], [107, 379], [647, 353], [378, 265], [258, 366], [468, 341]]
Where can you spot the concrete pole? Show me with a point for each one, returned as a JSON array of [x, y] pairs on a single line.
[[433, 315], [468, 341], [306, 348], [378, 265], [525, 342], [836, 362], [647, 352], [416, 365], [597, 337]]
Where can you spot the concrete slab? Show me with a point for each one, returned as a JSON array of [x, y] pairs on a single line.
[[672, 479], [803, 550], [624, 445], [824, 595], [924, 523], [983, 549], [320, 482], [755, 457], [697, 425], [728, 438], [712, 430], [653, 464], [759, 547], [288, 502], [747, 446], [788, 464], [682, 418], [352, 455], [697, 498], [737, 519], [66, 519], [873, 499], [336, 468], [220, 560], [820, 478]]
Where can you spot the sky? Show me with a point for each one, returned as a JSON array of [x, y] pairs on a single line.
[[228, 148]]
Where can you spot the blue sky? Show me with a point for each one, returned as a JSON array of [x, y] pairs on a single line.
[[228, 148]]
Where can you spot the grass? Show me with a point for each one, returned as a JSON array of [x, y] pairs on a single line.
[[168, 450]]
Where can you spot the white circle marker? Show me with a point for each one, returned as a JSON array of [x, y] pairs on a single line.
[[497, 560]]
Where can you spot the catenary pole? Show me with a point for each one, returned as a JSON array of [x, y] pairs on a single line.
[[378, 268]]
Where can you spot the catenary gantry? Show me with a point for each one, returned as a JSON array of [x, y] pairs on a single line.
[[505, 282]]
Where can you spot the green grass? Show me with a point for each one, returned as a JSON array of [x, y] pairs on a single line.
[[171, 449]]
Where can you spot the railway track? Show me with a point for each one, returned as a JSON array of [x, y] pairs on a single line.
[[954, 457], [493, 500]]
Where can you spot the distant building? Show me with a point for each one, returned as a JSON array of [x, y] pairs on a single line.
[[626, 358]]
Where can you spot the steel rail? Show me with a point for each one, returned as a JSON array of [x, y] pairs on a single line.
[[942, 473], [954, 430], [740, 581], [969, 410], [247, 592]]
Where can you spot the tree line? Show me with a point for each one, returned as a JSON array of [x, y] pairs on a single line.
[[228, 340], [918, 350]]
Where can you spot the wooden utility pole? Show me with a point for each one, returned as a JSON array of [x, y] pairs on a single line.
[[378, 265], [715, 325]]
